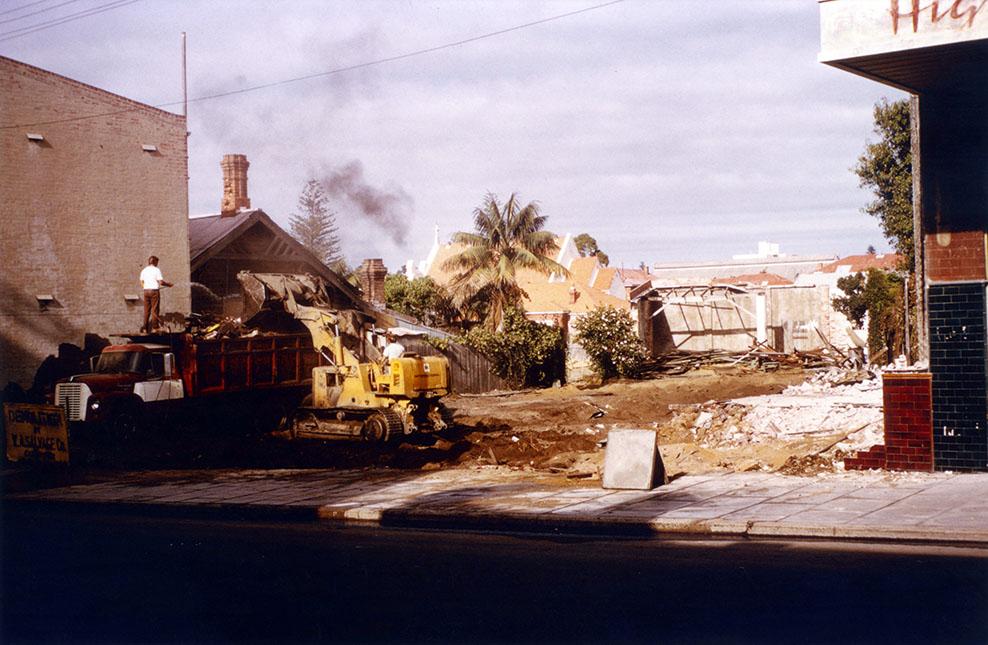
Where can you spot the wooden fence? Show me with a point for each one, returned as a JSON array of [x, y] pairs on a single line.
[[470, 372]]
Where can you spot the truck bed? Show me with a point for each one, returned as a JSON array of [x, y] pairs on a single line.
[[261, 362]]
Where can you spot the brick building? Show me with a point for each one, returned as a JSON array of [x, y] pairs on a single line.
[[91, 184], [938, 53]]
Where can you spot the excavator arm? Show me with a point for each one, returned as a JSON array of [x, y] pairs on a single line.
[[304, 298]]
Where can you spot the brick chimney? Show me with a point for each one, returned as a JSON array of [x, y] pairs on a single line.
[[371, 275], [234, 185]]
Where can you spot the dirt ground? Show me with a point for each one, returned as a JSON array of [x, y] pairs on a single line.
[[563, 430], [558, 432]]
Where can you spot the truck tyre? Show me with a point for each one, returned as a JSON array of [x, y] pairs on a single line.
[[124, 423]]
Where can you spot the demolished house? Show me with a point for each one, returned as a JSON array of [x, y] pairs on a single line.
[[769, 300]]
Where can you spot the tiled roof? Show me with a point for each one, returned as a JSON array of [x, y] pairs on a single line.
[[205, 232], [761, 278], [861, 263], [634, 277], [605, 277], [545, 296]]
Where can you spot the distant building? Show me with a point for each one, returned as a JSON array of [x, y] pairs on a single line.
[[92, 184], [768, 259]]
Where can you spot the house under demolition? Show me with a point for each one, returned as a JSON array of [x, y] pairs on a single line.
[[240, 238], [742, 303]]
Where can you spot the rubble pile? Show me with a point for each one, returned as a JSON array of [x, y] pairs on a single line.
[[834, 413], [210, 327], [760, 358]]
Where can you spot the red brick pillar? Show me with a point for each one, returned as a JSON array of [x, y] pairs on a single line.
[[907, 399]]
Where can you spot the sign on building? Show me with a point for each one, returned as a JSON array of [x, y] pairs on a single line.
[[36, 433]]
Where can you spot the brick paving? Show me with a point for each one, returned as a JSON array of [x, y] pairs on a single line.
[[924, 507]]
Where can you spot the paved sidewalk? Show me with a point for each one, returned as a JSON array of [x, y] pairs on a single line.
[[940, 507]]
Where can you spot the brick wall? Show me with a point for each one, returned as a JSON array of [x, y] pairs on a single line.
[[958, 362], [954, 256], [906, 399], [82, 211]]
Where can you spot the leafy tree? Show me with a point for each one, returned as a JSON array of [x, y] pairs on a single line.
[[611, 342], [879, 297], [587, 246], [507, 237], [885, 167], [883, 293], [852, 304], [871, 250], [420, 298], [523, 351], [315, 225]]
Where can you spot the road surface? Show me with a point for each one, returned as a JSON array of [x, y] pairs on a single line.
[[76, 577]]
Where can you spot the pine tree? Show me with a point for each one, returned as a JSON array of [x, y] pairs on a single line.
[[314, 226]]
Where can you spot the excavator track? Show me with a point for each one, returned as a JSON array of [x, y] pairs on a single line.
[[383, 425]]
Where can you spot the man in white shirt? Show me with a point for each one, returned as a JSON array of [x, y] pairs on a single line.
[[392, 350], [151, 282]]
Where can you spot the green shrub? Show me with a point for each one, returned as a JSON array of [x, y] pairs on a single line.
[[611, 342], [524, 352]]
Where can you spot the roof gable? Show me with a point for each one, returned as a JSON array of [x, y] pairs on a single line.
[[254, 234]]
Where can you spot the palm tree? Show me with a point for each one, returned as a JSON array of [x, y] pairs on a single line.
[[507, 238]]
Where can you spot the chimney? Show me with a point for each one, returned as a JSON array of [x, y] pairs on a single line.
[[371, 275], [234, 185], [574, 295]]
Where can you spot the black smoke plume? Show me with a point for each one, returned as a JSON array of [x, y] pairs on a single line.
[[388, 209]]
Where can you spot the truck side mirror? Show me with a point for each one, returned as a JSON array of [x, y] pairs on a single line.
[[92, 363], [169, 365]]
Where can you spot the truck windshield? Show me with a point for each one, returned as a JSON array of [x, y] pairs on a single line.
[[121, 362]]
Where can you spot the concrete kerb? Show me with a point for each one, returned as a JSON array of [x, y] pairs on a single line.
[[517, 522], [668, 527]]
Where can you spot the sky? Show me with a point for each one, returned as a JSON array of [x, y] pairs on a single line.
[[669, 130]]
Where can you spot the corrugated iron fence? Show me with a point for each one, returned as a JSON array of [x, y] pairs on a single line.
[[469, 371]]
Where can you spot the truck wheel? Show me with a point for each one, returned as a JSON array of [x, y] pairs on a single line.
[[124, 424]]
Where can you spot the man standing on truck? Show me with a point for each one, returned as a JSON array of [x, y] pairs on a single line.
[[151, 282]]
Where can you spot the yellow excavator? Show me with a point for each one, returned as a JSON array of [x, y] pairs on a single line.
[[372, 400]]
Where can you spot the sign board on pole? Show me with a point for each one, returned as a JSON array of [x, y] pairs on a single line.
[[36, 433]]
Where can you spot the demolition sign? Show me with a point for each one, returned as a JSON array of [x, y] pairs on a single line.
[[36, 433]]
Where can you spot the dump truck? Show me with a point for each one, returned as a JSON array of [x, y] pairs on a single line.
[[353, 395], [165, 376], [313, 372]]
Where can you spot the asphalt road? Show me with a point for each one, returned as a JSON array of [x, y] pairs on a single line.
[[75, 577]]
